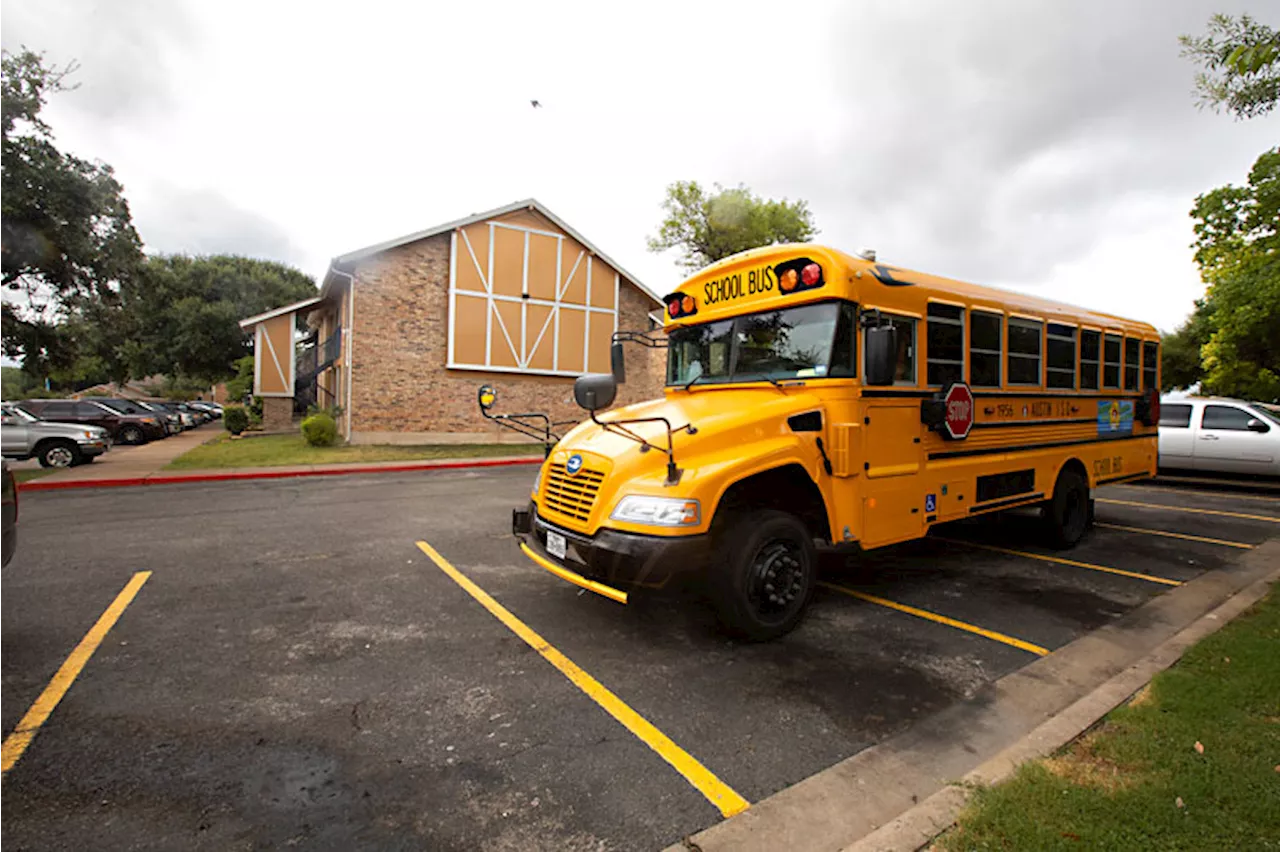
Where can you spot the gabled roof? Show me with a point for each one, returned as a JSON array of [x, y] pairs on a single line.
[[343, 264], [287, 309]]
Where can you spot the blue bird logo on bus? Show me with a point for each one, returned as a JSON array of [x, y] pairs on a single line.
[[574, 464]]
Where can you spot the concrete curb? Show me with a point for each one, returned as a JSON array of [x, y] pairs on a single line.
[[901, 792], [920, 825], [161, 478]]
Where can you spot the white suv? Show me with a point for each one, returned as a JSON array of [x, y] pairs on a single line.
[[1219, 435]]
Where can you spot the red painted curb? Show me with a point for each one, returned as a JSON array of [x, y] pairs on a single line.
[[166, 479]]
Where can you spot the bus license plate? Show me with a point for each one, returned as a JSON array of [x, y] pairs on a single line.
[[555, 544]]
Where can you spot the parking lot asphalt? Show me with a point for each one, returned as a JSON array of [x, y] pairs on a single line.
[[297, 671]]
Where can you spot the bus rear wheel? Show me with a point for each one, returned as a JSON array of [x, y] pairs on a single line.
[[1069, 513], [763, 582]]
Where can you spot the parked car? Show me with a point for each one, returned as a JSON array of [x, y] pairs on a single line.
[[215, 410], [177, 423], [190, 417], [123, 428], [9, 497], [1219, 436], [24, 436], [173, 425]]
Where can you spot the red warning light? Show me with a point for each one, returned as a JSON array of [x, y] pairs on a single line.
[[811, 274]]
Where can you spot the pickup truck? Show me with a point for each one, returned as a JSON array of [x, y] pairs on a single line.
[[23, 436]]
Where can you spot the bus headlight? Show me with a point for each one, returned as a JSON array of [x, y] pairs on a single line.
[[657, 511]]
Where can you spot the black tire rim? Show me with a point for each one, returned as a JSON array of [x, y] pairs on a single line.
[[1074, 512], [59, 457], [775, 584]]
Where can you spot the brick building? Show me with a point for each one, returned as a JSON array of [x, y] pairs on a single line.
[[403, 333]]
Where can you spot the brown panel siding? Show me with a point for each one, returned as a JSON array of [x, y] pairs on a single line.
[[508, 261], [542, 266]]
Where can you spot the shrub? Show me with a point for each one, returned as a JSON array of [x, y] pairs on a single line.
[[320, 430], [235, 419]]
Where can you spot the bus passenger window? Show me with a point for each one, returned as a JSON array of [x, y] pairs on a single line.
[[1024, 351], [1111, 361], [1090, 358], [944, 359], [985, 349], [1130, 364], [1150, 360], [1061, 356]]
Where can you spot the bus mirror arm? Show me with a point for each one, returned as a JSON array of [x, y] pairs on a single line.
[[617, 358], [618, 427], [521, 423]]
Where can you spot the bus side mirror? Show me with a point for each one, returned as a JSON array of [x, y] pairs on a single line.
[[486, 396], [595, 391], [882, 354], [618, 362]]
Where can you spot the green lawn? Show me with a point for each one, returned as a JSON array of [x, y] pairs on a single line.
[[272, 450], [27, 475], [1193, 762]]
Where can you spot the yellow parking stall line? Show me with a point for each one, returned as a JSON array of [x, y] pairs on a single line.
[[1188, 509], [1166, 533], [940, 619], [1150, 578], [728, 801], [29, 725], [1228, 495]]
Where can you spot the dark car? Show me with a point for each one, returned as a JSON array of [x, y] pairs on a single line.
[[172, 424], [214, 410], [10, 511], [123, 428]]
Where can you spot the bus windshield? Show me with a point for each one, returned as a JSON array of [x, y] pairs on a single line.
[[808, 341]]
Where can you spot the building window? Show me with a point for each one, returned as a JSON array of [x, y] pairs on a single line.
[[1024, 351], [1131, 363], [1150, 361], [986, 345], [1111, 361], [1090, 358], [945, 355], [1060, 366]]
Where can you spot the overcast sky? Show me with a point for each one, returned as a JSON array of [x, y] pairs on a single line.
[[1051, 147]]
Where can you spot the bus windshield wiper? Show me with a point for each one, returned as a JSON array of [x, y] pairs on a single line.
[[693, 381]]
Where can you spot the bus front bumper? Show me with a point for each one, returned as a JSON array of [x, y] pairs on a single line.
[[610, 561]]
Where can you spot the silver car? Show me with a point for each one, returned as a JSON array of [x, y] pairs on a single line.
[[1219, 436], [23, 436]]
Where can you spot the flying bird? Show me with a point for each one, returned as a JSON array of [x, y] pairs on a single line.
[[536, 104]]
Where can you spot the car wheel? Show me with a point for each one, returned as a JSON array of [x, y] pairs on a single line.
[[131, 435], [1069, 513], [762, 585], [58, 454]]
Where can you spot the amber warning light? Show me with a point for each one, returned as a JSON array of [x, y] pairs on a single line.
[[680, 305], [799, 274]]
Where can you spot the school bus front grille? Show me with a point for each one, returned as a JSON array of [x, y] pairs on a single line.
[[572, 496]]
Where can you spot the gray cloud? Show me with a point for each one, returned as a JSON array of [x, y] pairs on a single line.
[[1016, 130], [176, 220], [126, 50]]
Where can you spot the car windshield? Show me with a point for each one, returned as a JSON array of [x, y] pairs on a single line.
[[808, 341], [20, 414], [1269, 414]]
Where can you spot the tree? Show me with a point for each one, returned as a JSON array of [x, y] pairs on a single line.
[[710, 227], [1238, 322], [185, 311], [67, 236], [1241, 61]]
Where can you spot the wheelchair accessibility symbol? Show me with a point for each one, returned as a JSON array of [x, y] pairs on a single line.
[[931, 502]]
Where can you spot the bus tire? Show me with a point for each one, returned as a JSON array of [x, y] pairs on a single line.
[[1069, 513], [761, 585]]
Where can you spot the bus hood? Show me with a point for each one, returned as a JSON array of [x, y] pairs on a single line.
[[726, 421]]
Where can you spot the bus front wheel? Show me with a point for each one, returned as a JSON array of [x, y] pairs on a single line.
[[1069, 512], [765, 577]]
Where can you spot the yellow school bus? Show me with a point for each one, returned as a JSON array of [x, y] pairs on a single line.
[[817, 398]]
